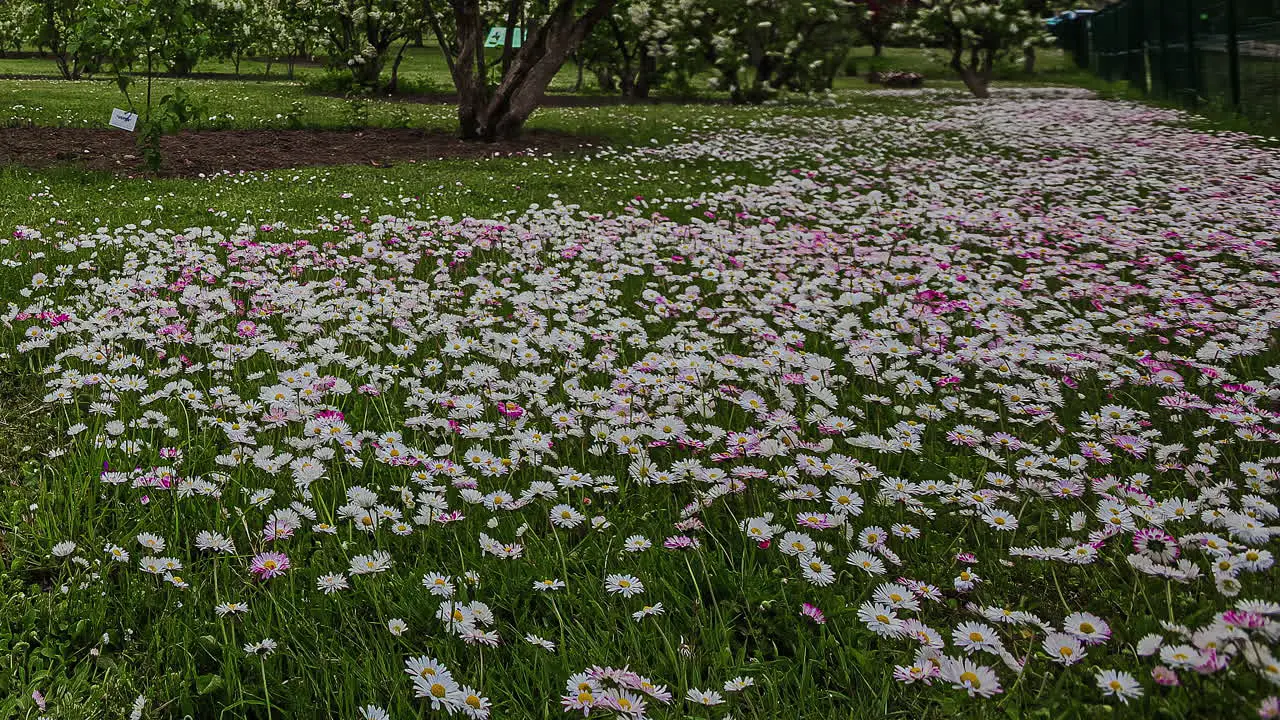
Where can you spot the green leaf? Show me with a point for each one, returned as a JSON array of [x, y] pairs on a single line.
[[206, 684]]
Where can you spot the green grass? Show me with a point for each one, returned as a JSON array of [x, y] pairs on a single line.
[[1053, 67], [423, 69], [231, 104]]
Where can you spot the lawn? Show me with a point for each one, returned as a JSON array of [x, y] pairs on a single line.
[[888, 404]]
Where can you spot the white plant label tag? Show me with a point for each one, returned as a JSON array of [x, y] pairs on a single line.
[[124, 119]]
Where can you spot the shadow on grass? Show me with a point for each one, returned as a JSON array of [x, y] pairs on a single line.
[[25, 437]]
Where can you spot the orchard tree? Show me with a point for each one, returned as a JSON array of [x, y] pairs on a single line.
[[497, 92], [233, 28], [15, 22], [1042, 9], [182, 34], [758, 47], [646, 42], [875, 20], [76, 33], [289, 29], [623, 48], [976, 34], [93, 36], [364, 33]]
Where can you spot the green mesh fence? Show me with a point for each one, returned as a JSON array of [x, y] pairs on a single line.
[[1221, 53]]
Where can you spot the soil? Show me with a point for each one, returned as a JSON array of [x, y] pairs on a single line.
[[192, 154]]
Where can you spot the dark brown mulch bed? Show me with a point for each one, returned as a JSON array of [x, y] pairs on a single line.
[[190, 154]]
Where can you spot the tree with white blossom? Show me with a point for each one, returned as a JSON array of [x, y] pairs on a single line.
[[630, 50], [15, 20], [875, 20], [976, 34], [363, 33], [759, 47]]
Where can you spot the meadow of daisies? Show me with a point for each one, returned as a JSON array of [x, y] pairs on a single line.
[[963, 409]]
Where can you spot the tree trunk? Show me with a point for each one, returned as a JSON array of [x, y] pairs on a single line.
[[395, 68], [535, 66], [367, 74], [627, 83], [513, 16], [877, 48], [1029, 59], [469, 81], [977, 82], [648, 73], [604, 78], [627, 76], [489, 114], [761, 84]]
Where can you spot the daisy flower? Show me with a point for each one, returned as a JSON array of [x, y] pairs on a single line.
[[262, 648], [440, 689], [1118, 684], [964, 674], [739, 683], [625, 585], [865, 561], [816, 571], [268, 565], [880, 619], [648, 611], [636, 543], [154, 543], [438, 585], [541, 642], [223, 609], [814, 613], [704, 697], [376, 562], [331, 583], [974, 636], [1091, 629], [1063, 648]]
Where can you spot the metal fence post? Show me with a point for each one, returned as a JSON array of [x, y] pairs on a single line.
[[1137, 39], [1233, 55], [1166, 68], [1098, 43], [1118, 45], [1113, 36], [1192, 71]]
